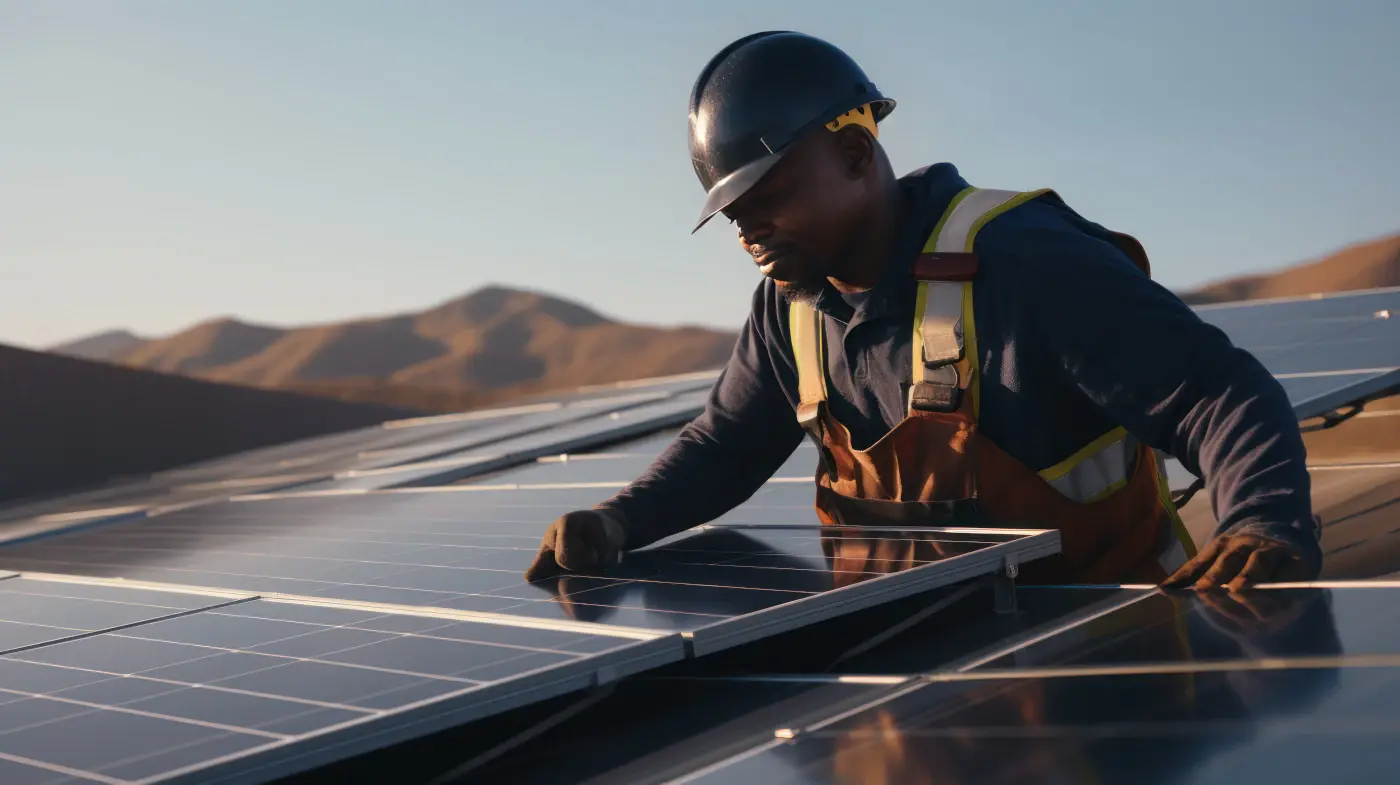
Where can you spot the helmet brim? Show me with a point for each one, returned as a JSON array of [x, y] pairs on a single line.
[[727, 191]]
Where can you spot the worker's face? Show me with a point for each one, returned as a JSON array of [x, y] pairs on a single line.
[[798, 222]]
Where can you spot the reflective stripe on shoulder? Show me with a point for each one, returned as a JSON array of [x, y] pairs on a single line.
[[970, 211]]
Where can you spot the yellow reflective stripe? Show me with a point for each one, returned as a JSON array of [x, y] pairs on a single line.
[[1183, 634], [968, 366], [1067, 465], [1183, 536], [804, 325], [917, 372], [943, 220], [985, 218]]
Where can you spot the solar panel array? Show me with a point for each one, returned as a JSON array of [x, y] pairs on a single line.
[[292, 606], [343, 616]]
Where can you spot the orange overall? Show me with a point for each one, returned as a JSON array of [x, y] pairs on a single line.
[[1109, 500]]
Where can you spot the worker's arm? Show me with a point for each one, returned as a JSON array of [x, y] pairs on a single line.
[[747, 431], [1179, 384]]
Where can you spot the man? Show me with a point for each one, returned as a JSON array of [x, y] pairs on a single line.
[[957, 354]]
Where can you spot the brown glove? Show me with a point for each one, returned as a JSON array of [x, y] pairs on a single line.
[[581, 541]]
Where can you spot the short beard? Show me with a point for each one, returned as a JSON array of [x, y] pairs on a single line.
[[804, 292]]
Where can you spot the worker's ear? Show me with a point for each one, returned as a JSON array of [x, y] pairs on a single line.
[[857, 149]]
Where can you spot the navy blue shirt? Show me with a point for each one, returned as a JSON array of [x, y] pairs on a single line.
[[1073, 341]]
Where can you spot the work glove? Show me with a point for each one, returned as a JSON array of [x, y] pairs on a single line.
[[581, 541]]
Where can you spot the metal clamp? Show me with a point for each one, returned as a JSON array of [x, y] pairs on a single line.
[[932, 397], [1004, 587]]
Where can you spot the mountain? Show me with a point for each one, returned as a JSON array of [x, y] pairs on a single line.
[[1362, 266], [73, 422], [109, 345], [493, 340]]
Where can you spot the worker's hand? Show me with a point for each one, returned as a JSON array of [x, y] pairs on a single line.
[[580, 541], [1235, 561]]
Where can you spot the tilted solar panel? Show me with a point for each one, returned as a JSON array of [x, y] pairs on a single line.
[[1327, 351]]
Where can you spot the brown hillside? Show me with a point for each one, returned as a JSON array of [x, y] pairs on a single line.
[[66, 423], [109, 346], [373, 349], [490, 341], [1361, 266], [203, 347]]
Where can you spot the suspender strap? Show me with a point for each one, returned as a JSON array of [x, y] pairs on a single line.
[[943, 326], [805, 325]]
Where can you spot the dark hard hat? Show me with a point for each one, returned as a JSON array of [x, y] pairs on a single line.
[[757, 97]]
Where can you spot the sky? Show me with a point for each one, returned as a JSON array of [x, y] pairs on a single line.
[[163, 163]]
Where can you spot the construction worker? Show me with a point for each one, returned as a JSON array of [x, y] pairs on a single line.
[[958, 355]]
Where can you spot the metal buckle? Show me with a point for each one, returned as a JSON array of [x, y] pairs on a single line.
[[931, 397]]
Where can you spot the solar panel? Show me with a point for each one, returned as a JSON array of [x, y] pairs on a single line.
[[620, 465], [1327, 351], [468, 551], [582, 422], [461, 462], [1315, 395], [153, 681]]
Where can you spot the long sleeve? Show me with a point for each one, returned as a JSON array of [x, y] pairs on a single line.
[[723, 456], [1177, 383]]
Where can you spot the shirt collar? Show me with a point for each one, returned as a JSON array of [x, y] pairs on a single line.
[[930, 191]]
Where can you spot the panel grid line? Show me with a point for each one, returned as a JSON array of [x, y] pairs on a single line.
[[121, 708], [113, 629], [141, 676], [90, 776]]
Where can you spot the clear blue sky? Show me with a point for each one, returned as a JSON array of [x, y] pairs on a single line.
[[162, 163]]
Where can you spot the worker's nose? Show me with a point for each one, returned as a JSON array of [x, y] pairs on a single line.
[[753, 232]]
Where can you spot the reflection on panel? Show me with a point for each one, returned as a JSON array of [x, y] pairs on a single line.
[[1183, 627], [638, 734], [1249, 725]]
